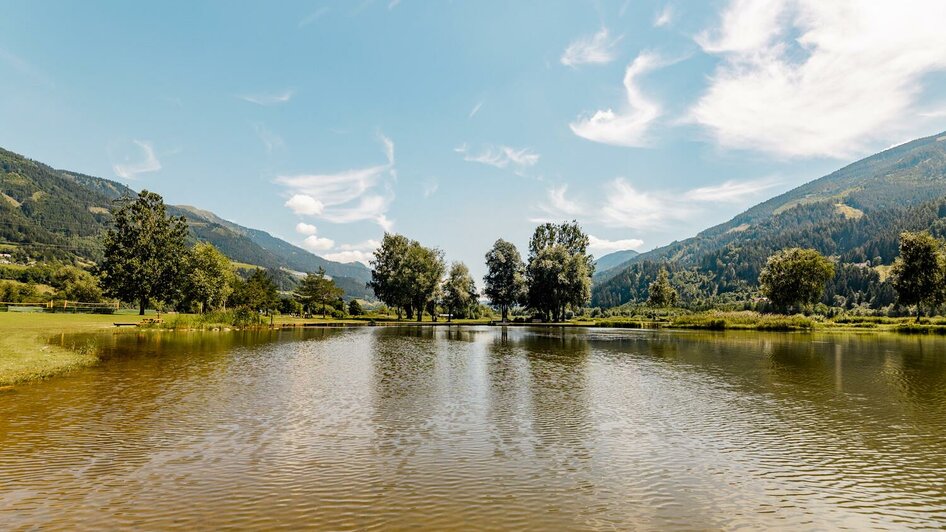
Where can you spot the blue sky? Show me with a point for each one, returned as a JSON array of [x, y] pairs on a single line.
[[460, 122]]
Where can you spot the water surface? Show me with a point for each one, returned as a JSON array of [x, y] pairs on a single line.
[[482, 428]]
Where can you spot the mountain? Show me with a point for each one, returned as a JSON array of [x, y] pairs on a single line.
[[609, 261], [48, 214], [854, 214]]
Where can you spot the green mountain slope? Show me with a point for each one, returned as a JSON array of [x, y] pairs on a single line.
[[854, 213], [47, 213]]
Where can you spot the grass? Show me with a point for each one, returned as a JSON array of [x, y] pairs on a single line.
[[719, 321], [25, 353]]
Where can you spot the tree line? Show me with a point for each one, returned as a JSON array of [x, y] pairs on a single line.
[[795, 279], [146, 260], [413, 279]]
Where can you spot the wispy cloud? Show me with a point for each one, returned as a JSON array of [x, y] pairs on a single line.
[[271, 141], [780, 87], [313, 16], [517, 159], [393, 3], [664, 17], [623, 205], [430, 187], [628, 126], [147, 162], [731, 191], [348, 196], [267, 99], [476, 109], [24, 68], [599, 246], [597, 49]]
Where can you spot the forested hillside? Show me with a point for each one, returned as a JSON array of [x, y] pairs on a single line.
[[854, 214], [48, 214]]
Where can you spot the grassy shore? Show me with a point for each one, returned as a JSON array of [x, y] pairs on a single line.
[[26, 355]]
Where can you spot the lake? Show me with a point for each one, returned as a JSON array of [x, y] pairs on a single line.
[[482, 428]]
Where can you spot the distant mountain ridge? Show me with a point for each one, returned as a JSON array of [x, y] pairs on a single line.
[[854, 213], [57, 214], [611, 260]]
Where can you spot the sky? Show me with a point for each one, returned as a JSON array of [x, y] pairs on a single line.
[[327, 123]]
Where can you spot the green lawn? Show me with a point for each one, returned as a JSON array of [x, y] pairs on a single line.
[[24, 352]]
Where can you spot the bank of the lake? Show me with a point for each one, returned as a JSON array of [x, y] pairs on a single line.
[[26, 354]]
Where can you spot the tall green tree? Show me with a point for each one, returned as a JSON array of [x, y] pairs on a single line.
[[559, 270], [459, 291], [661, 292], [144, 252], [423, 271], [389, 279], [919, 273], [505, 277], [317, 289], [208, 278], [795, 277]]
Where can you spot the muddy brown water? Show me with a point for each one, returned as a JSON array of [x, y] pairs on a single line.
[[482, 428]]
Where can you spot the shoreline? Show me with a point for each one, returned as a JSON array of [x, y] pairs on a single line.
[[27, 355]]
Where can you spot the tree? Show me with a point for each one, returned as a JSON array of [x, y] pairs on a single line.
[[354, 308], [74, 284], [919, 273], [317, 289], [560, 269], [208, 277], [795, 277], [505, 277], [423, 270], [389, 279], [459, 291], [661, 292], [144, 252], [257, 293]]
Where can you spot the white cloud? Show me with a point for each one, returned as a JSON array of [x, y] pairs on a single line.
[[360, 252], [600, 245], [315, 243], [270, 140], [730, 191], [305, 229], [266, 99], [561, 206], [597, 49], [629, 207], [813, 78], [476, 109], [305, 204], [625, 206], [393, 3], [664, 16], [132, 169], [349, 196], [350, 256], [628, 126], [518, 159]]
